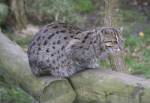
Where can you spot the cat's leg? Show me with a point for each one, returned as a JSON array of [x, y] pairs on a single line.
[[65, 71], [37, 71], [92, 64]]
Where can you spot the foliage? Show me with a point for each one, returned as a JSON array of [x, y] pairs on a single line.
[[132, 16], [13, 95], [83, 5], [3, 12], [3, 1], [23, 41], [138, 53], [58, 10]]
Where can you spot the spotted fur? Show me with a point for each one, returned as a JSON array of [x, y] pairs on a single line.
[[62, 50]]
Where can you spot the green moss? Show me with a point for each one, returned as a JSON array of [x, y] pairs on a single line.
[[58, 91]]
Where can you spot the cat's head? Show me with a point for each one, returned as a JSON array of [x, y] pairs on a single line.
[[110, 39], [96, 43]]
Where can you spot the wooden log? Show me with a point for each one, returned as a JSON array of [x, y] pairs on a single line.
[[99, 86]]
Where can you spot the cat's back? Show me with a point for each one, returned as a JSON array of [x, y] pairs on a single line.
[[47, 46]]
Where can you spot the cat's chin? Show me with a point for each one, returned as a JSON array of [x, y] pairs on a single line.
[[112, 50], [108, 51]]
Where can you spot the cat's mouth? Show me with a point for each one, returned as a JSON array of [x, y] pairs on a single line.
[[112, 46]]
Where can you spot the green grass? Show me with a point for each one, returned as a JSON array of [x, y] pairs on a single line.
[[137, 58], [14, 95], [83, 5], [23, 41], [132, 16], [132, 42], [104, 64]]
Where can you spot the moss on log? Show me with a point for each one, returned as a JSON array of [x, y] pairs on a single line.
[[99, 86]]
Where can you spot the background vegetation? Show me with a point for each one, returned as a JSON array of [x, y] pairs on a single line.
[[134, 18]]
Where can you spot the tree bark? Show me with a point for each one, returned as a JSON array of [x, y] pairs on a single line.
[[91, 86], [111, 19], [18, 9]]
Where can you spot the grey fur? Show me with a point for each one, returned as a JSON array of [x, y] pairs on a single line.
[[62, 50]]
